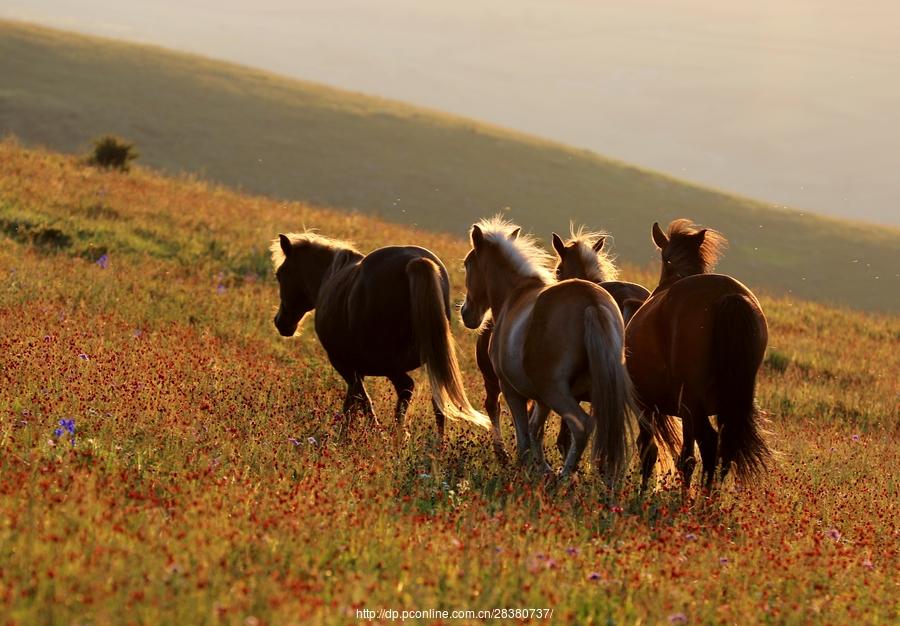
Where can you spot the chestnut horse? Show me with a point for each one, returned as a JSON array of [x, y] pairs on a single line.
[[381, 314], [552, 343], [694, 349], [581, 256]]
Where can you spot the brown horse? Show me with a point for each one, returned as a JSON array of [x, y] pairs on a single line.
[[581, 256], [552, 343], [381, 314], [694, 349]]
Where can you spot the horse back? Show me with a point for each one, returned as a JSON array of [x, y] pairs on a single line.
[[629, 296]]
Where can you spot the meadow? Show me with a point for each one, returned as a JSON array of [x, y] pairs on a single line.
[[167, 458], [286, 138]]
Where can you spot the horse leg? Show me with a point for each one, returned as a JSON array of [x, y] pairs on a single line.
[[686, 460], [708, 439], [518, 406], [563, 439], [492, 408], [539, 413], [580, 424], [439, 420], [648, 449], [404, 386], [357, 400]]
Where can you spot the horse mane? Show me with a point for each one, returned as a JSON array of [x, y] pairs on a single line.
[[311, 238], [680, 233], [524, 252], [599, 266]]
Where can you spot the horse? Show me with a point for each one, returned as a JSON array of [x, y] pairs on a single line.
[[552, 342], [693, 350], [581, 256], [385, 313]]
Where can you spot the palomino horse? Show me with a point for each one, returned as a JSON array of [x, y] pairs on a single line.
[[381, 314], [552, 343], [694, 349], [581, 256]]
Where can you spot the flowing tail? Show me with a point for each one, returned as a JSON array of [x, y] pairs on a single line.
[[432, 332], [736, 359], [612, 400]]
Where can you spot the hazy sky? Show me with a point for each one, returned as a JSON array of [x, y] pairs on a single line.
[[795, 102]]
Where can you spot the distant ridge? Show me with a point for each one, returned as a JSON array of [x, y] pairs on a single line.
[[297, 140]]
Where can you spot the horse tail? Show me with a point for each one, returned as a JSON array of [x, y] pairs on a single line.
[[612, 399], [736, 359], [431, 327], [667, 432]]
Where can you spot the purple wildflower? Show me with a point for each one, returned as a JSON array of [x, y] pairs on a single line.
[[571, 551], [294, 441], [220, 289], [84, 357], [594, 576], [65, 426], [103, 261], [678, 618], [855, 437], [834, 534]]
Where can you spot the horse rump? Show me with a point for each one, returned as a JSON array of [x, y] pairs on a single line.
[[736, 360], [431, 329]]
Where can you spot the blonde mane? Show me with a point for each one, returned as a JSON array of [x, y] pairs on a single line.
[[599, 266], [524, 252], [311, 238]]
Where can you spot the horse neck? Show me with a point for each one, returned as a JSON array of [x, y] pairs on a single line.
[[502, 289], [325, 263]]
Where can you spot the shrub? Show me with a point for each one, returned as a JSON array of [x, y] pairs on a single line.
[[112, 152]]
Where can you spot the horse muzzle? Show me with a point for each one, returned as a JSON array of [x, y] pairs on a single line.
[[285, 329], [470, 317]]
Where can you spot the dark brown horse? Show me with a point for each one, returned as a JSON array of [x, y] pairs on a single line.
[[694, 349], [381, 314], [582, 256]]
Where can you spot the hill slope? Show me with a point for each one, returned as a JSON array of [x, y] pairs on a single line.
[[292, 139], [206, 481]]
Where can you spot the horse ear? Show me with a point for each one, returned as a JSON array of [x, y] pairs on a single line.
[[700, 236], [558, 245], [659, 237], [598, 245], [514, 234], [477, 237], [286, 246]]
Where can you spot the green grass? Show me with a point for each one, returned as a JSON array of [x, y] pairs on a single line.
[[208, 485], [295, 140]]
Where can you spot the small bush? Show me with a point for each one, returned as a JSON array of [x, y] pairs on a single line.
[[112, 152], [42, 236]]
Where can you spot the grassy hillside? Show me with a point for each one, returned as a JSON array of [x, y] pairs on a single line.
[[205, 482], [296, 140]]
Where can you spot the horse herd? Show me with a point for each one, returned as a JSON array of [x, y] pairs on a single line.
[[550, 339]]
